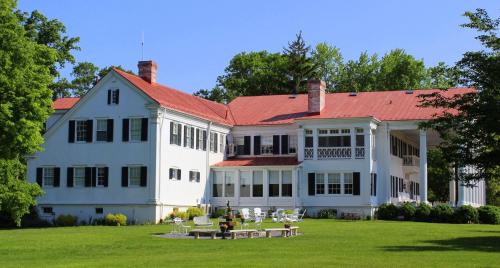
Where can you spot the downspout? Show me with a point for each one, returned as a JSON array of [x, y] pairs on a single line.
[[207, 167]]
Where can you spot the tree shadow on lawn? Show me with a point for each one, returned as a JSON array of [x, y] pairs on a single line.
[[480, 243]]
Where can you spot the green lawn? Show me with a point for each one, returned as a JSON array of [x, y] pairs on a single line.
[[324, 243]]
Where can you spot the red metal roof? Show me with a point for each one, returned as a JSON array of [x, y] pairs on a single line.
[[382, 105], [181, 101], [64, 103], [259, 161]]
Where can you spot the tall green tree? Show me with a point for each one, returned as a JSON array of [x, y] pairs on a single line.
[[399, 70], [85, 77], [472, 134], [439, 171], [300, 66], [25, 103], [442, 76], [217, 94], [329, 65], [360, 75]]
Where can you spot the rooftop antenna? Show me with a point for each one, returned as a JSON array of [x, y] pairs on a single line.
[[142, 46]]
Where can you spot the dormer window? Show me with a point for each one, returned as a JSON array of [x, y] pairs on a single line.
[[113, 96]]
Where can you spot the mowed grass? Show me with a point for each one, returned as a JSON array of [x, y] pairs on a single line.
[[323, 243]]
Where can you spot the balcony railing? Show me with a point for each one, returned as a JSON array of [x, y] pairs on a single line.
[[359, 152], [266, 149], [308, 153], [334, 152], [411, 161]]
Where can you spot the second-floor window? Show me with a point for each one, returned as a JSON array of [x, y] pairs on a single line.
[[135, 129], [104, 130], [334, 138], [308, 142], [266, 146], [194, 176], [174, 174], [113, 96], [175, 133], [213, 141], [80, 131]]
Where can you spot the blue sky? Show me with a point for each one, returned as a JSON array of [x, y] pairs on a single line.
[[193, 41]]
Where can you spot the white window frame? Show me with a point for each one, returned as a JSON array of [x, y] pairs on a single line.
[[334, 182], [131, 170], [78, 179], [98, 169], [83, 132], [97, 130], [134, 134], [46, 174]]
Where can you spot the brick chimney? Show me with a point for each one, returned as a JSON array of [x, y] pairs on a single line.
[[316, 96], [147, 70]]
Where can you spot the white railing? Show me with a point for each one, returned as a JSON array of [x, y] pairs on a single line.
[[308, 153], [359, 152], [411, 161], [334, 152]]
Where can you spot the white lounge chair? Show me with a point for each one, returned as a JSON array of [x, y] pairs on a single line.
[[257, 212], [202, 221], [245, 216], [179, 226]]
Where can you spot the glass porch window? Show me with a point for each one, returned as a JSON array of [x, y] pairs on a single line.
[[218, 182], [274, 183], [286, 183], [229, 184], [245, 183], [258, 184]]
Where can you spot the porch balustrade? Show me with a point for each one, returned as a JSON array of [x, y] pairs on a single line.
[[359, 152], [308, 153], [334, 152]]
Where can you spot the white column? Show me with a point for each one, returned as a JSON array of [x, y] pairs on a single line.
[[353, 143], [265, 179], [366, 179], [461, 194], [315, 143], [423, 166], [300, 144], [237, 183]]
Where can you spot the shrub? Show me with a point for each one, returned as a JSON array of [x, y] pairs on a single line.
[[387, 212], [327, 213], [442, 213], [489, 214], [115, 219], [66, 220], [407, 210], [218, 213], [98, 221], [423, 212], [194, 212], [466, 214]]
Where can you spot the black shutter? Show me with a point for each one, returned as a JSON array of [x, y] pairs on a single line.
[[179, 134], [88, 177], [39, 176], [197, 138], [94, 177], [144, 129], [256, 145], [185, 136], [57, 177], [216, 142], [71, 131], [284, 144], [375, 184], [204, 140], [197, 176], [124, 176], [90, 130], [109, 130], [311, 183], [246, 145], [179, 174], [117, 96], [106, 176], [69, 181], [276, 144], [172, 133], [125, 129], [355, 183], [144, 176], [109, 96], [170, 173], [192, 137]]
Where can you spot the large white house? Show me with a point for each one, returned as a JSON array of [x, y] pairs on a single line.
[[133, 146]]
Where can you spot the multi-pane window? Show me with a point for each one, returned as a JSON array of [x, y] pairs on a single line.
[[334, 138], [174, 174], [229, 184], [266, 145], [115, 96], [320, 183], [400, 148], [135, 129], [102, 130], [218, 182], [274, 183], [213, 142], [334, 183], [348, 183], [187, 137], [373, 184], [48, 176], [360, 137], [240, 145], [134, 174], [175, 133], [221, 143], [101, 176], [292, 144], [200, 139], [194, 176], [81, 130], [47, 210], [258, 184], [79, 176], [245, 183], [286, 183], [309, 139]]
